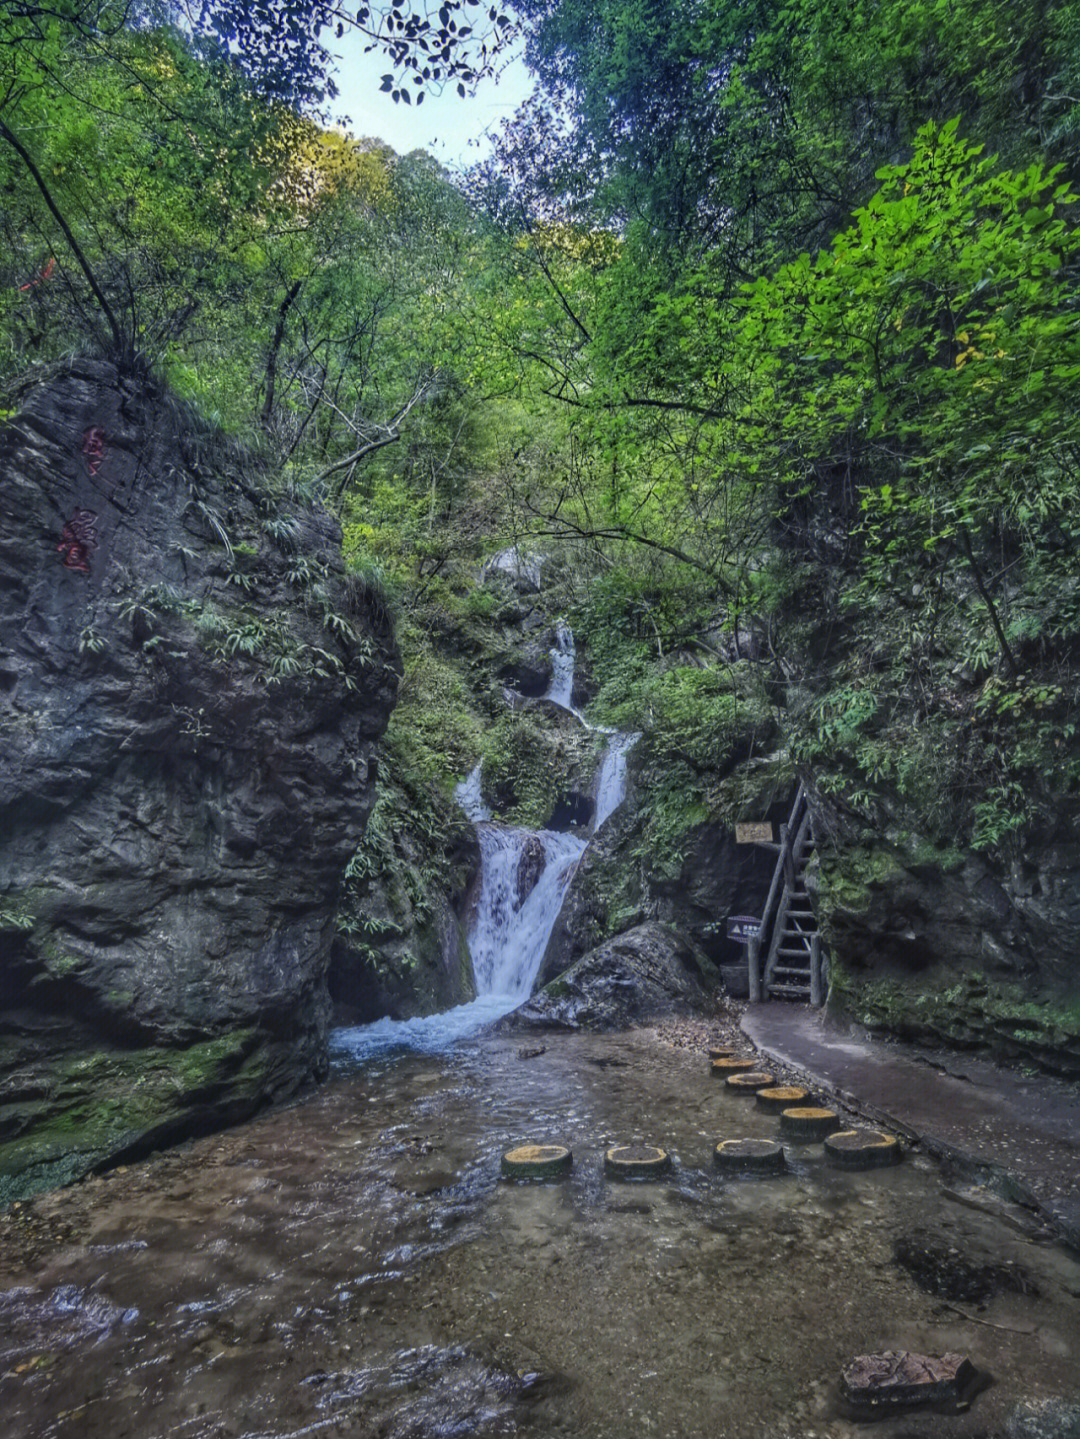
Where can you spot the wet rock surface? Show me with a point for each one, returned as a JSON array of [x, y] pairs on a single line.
[[174, 827], [941, 1269], [1044, 1419], [644, 974], [427, 1393]]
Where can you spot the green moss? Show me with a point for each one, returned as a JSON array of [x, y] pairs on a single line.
[[850, 877], [100, 1102], [972, 1012]]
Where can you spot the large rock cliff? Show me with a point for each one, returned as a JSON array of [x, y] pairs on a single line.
[[190, 689]]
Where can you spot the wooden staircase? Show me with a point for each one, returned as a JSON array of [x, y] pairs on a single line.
[[792, 967]]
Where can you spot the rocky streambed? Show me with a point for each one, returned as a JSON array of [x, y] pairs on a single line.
[[353, 1265]]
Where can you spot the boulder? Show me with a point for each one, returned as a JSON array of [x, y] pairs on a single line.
[[633, 979], [188, 711], [530, 867], [879, 1384]]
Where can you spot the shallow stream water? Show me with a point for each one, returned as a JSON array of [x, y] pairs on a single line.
[[353, 1265]]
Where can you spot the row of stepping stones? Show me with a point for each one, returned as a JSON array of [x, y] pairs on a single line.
[[801, 1121]]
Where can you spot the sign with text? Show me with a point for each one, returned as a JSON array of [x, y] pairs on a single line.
[[743, 928], [760, 832]]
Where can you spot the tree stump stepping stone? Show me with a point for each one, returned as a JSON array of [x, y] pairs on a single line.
[[721, 1051], [808, 1125], [750, 1156], [721, 1068], [636, 1161], [862, 1149], [537, 1161], [782, 1096], [874, 1385], [750, 1081]]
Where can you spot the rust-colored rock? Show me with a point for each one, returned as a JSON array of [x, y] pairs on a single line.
[[876, 1384]]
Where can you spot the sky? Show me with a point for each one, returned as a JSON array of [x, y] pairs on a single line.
[[448, 127]]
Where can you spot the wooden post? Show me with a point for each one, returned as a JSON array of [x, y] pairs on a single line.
[[753, 960], [786, 841], [817, 999]]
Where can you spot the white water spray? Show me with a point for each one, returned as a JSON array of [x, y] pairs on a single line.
[[524, 877], [611, 783], [561, 688]]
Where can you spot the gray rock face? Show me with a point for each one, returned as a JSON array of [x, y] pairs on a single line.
[[944, 945], [190, 688], [632, 979]]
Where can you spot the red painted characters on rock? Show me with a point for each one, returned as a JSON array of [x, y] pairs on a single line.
[[78, 538], [93, 447]]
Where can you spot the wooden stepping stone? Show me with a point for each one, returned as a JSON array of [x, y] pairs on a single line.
[[750, 1081], [636, 1161], [808, 1125], [750, 1156], [537, 1161], [782, 1096], [723, 1067], [721, 1051], [862, 1149]]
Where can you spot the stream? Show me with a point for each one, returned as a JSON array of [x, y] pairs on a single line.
[[353, 1265]]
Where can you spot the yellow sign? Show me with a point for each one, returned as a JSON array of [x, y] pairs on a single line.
[[760, 832]]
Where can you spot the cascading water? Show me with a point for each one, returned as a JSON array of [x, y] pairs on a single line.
[[523, 881], [561, 689], [611, 784], [611, 781]]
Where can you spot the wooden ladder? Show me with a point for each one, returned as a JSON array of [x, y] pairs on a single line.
[[793, 963]]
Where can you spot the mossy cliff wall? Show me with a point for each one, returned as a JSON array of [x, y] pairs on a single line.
[[948, 945], [190, 690]]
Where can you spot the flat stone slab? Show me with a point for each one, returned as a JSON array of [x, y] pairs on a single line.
[[750, 1081], [636, 1161], [862, 1149], [782, 1096], [537, 1161], [808, 1124], [750, 1156], [721, 1068], [898, 1379]]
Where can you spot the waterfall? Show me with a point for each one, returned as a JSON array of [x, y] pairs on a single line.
[[516, 910], [611, 784], [561, 688], [524, 877], [611, 781]]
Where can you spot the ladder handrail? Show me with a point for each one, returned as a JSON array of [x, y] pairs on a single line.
[[786, 852]]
